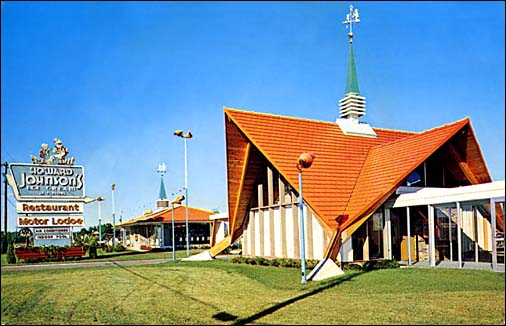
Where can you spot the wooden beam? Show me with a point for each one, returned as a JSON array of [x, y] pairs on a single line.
[[222, 245], [468, 173], [462, 164], [239, 191], [213, 233]]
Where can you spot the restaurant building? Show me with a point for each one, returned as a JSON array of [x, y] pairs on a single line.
[[371, 193]]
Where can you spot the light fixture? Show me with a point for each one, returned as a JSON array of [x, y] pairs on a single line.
[[188, 135], [177, 200], [304, 161]]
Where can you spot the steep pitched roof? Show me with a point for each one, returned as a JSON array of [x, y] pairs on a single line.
[[330, 181], [386, 166], [195, 215], [350, 175]]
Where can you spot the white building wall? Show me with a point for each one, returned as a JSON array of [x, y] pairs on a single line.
[[318, 239], [278, 247], [315, 237], [267, 233], [346, 251], [307, 243], [257, 233], [290, 250]]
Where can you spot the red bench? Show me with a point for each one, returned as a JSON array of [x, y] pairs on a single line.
[[23, 253], [28, 254], [72, 252]]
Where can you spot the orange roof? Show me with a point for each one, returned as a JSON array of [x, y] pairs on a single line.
[[195, 215], [330, 181], [350, 175], [386, 166]]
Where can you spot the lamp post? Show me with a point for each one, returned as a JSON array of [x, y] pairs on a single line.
[[177, 200], [188, 135], [113, 218], [305, 161], [100, 199]]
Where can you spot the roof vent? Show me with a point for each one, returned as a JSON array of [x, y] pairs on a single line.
[[352, 106]]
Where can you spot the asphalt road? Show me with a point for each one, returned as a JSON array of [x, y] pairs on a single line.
[[29, 267]]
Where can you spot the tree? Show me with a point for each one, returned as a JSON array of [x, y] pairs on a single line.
[[11, 256]]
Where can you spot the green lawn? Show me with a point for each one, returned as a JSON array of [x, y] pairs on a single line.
[[219, 292], [121, 255]]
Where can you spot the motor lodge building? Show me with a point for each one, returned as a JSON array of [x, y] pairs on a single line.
[[154, 229]]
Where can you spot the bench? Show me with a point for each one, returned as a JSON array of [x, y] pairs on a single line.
[[71, 252], [62, 253], [27, 254]]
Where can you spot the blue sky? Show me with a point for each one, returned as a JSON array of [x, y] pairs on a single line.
[[113, 80]]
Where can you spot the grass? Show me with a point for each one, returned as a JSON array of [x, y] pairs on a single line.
[[120, 255], [219, 292]]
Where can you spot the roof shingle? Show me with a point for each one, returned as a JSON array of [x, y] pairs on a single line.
[[350, 174]]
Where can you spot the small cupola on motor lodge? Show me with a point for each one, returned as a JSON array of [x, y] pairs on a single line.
[[162, 201], [352, 105]]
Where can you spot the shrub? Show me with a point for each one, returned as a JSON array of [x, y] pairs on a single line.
[[107, 248], [118, 247], [11, 255], [311, 263], [352, 267], [380, 264], [276, 262]]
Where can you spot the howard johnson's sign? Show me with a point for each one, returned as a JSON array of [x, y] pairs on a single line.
[[37, 181], [50, 194]]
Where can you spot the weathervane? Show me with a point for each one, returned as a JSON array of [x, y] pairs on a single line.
[[351, 18]]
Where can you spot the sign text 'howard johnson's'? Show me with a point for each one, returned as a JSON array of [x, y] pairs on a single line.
[[48, 181]]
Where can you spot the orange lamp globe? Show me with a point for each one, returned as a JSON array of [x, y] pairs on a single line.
[[306, 160]]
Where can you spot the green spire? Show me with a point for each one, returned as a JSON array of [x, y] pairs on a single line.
[[163, 194], [351, 78]]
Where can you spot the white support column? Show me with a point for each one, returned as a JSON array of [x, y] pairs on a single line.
[[365, 247], [459, 233], [475, 235], [408, 220], [450, 232], [387, 234], [493, 227], [432, 241]]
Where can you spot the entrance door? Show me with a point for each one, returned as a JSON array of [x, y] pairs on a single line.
[[445, 233], [418, 233]]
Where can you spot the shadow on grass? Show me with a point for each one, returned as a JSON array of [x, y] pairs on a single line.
[[226, 317], [327, 285], [165, 286]]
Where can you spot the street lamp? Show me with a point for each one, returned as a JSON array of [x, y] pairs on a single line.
[[88, 200], [177, 200], [179, 133], [305, 161], [100, 199], [113, 218]]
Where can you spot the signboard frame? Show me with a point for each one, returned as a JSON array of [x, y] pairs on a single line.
[[49, 182]]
